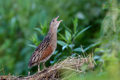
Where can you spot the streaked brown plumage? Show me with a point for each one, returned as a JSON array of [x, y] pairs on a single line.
[[45, 49]]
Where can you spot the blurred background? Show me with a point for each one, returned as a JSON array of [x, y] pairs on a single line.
[[21, 21]]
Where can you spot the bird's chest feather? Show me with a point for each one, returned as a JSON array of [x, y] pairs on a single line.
[[50, 46]]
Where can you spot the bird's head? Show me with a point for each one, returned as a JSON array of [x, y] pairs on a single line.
[[54, 23]]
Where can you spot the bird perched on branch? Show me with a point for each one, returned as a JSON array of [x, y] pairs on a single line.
[[46, 48]]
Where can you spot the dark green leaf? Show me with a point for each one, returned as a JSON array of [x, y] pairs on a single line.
[[82, 31], [92, 45], [67, 28]]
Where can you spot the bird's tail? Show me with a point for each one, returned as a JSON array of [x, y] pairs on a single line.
[[30, 64]]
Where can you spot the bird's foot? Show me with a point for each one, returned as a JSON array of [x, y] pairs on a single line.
[[39, 71], [44, 65]]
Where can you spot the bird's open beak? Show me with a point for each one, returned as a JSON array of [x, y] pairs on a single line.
[[57, 18]]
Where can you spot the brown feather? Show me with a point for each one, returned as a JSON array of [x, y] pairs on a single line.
[[40, 51], [46, 53]]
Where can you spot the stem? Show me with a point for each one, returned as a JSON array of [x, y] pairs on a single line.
[[68, 50], [72, 45]]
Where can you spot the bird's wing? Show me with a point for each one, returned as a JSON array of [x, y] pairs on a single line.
[[34, 59], [43, 49], [46, 53]]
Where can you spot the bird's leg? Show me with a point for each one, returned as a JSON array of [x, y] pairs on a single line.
[[44, 65], [28, 73], [38, 68]]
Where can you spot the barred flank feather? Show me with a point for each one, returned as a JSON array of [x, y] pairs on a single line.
[[44, 49]]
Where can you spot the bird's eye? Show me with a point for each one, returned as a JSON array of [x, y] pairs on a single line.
[[53, 20]]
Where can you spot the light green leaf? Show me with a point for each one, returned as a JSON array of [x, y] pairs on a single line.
[[34, 46], [96, 57], [38, 29], [71, 45], [67, 35], [52, 62], [44, 28], [77, 49], [62, 37], [34, 39], [59, 30], [64, 47], [67, 28], [61, 43], [75, 22], [55, 52]]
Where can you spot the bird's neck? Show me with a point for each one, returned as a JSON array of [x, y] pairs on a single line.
[[52, 32]]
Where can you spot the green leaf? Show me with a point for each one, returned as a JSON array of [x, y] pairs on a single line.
[[59, 30], [64, 47], [61, 43], [38, 29], [34, 46], [92, 45], [96, 57], [82, 31], [44, 28], [71, 45], [55, 52], [74, 34], [4, 45], [52, 62], [67, 35], [73, 55], [67, 28], [34, 39], [41, 26], [105, 6], [38, 43], [77, 49], [59, 54], [75, 22], [56, 57], [62, 37]]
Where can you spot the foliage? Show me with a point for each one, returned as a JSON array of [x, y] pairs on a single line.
[[107, 55], [67, 42]]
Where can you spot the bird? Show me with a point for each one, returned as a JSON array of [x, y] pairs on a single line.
[[47, 47]]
